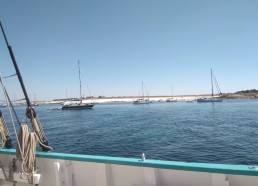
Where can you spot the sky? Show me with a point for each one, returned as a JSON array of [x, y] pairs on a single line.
[[119, 44]]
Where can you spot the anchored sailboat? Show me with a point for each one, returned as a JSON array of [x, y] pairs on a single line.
[[171, 99], [142, 100], [77, 105], [35, 103], [212, 98]]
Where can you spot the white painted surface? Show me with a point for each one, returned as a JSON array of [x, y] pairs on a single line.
[[74, 173]]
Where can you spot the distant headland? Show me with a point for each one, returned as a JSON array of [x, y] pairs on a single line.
[[243, 94]]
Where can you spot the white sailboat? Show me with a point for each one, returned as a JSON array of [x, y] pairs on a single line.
[[212, 98], [77, 105], [171, 99], [142, 100], [35, 103]]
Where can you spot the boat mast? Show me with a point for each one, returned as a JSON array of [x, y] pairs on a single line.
[[171, 90], [16, 68], [211, 84], [142, 91], [30, 112], [80, 80]]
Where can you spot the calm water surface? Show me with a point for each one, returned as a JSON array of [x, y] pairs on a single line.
[[224, 132]]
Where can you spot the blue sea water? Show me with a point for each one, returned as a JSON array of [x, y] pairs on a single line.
[[225, 132]]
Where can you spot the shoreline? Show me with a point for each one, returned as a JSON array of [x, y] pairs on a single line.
[[187, 98]]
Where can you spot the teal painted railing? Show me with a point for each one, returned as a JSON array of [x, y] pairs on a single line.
[[175, 165]]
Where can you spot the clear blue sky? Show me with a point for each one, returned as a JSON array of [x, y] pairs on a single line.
[[122, 43]]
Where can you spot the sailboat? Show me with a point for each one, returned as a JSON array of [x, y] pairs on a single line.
[[212, 98], [142, 100], [35, 103], [171, 99], [77, 105]]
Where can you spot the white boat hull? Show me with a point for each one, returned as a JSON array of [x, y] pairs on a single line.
[[171, 100], [203, 100], [80, 170], [141, 101]]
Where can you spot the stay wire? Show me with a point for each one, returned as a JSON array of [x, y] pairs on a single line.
[[10, 76]]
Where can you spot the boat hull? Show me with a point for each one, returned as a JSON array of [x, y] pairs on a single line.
[[140, 103], [58, 169], [77, 107], [171, 100], [209, 100]]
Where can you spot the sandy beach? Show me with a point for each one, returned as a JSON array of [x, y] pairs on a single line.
[[151, 98], [132, 98]]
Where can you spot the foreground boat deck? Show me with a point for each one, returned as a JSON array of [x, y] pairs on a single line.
[[78, 170]]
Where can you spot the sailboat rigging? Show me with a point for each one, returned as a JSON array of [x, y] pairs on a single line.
[[30, 111], [212, 98], [75, 105]]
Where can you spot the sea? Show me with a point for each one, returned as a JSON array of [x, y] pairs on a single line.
[[223, 132]]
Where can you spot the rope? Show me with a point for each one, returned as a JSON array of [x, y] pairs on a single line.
[[27, 151], [31, 114], [26, 140], [8, 101], [2, 134], [6, 130], [27, 159]]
